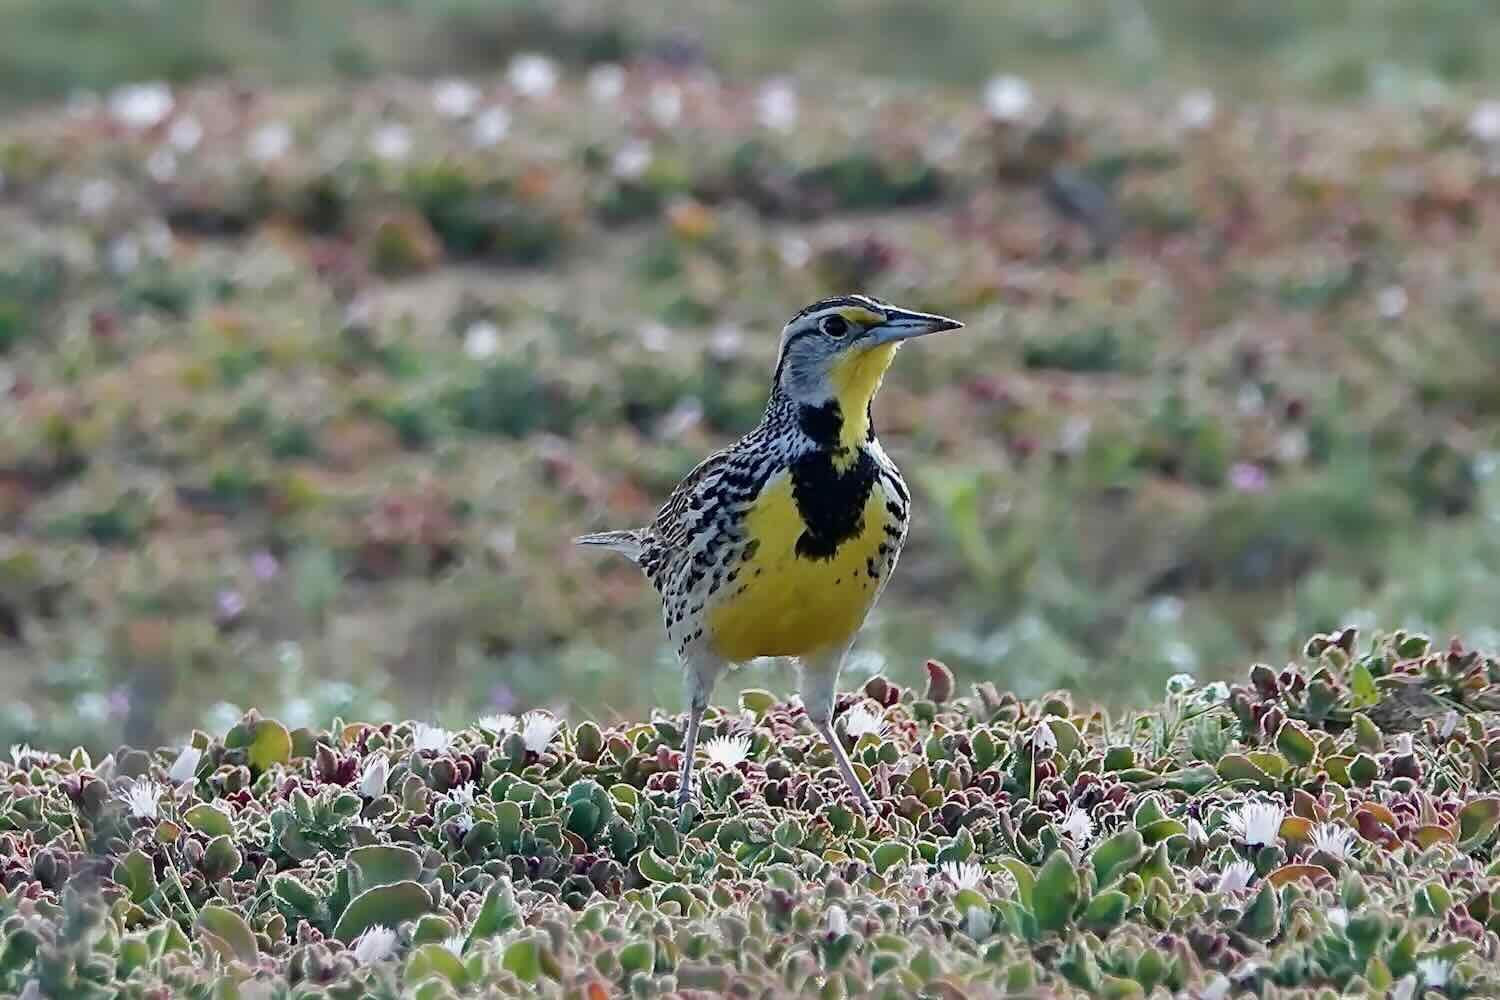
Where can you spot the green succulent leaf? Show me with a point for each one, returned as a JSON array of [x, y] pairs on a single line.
[[1057, 892], [229, 927], [387, 905]]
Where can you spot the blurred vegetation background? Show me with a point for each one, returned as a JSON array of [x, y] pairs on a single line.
[[325, 325]]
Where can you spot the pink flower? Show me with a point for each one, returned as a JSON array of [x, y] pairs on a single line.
[[1247, 477]]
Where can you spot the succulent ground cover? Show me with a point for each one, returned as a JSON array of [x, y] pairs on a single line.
[[305, 391], [1264, 839]]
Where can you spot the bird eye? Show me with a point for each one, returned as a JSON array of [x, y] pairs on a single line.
[[834, 326]]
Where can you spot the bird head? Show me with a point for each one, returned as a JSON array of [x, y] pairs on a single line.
[[837, 350]]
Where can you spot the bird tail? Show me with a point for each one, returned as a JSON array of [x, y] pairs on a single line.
[[627, 543]]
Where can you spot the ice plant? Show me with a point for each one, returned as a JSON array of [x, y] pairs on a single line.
[[434, 738], [1078, 825], [140, 798], [727, 751], [979, 922], [1007, 97], [1258, 824], [454, 98], [499, 725], [532, 74], [1235, 877], [1043, 739], [1333, 840], [373, 777], [462, 794], [962, 874], [186, 764], [862, 720], [375, 944], [537, 730], [838, 921], [1435, 971]]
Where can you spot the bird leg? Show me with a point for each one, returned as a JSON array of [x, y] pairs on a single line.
[[825, 728], [697, 698], [820, 675]]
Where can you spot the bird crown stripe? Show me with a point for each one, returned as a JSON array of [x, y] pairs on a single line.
[[862, 301]]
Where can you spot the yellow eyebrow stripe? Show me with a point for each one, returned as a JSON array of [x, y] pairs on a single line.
[[861, 317]]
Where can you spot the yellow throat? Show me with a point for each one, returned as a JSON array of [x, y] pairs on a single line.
[[856, 378]]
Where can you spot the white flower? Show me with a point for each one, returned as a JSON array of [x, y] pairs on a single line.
[[391, 141], [434, 738], [631, 161], [962, 874], [838, 921], [481, 339], [141, 105], [655, 337], [1195, 831], [1166, 609], [1079, 826], [462, 794], [1405, 987], [979, 922], [1449, 723], [1235, 877], [776, 106], [270, 142], [1403, 744], [140, 798], [1074, 436], [464, 821], [455, 943], [186, 764], [537, 730], [1333, 840], [499, 725], [373, 777], [162, 165], [375, 944], [1217, 988], [23, 752], [532, 74], [727, 751], [1484, 121], [492, 125], [454, 98], [1258, 824], [862, 720], [665, 104], [1043, 739], [1391, 302], [123, 255], [1006, 97], [185, 134], [95, 197], [1181, 683], [1215, 693], [795, 252], [1196, 109], [1338, 918], [606, 83], [1435, 971]]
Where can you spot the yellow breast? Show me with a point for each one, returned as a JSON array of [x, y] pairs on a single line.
[[783, 604]]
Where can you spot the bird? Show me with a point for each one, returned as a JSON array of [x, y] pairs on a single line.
[[780, 544]]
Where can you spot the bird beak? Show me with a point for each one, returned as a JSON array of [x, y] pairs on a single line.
[[901, 324]]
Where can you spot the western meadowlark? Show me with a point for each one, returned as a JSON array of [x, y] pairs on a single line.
[[780, 544]]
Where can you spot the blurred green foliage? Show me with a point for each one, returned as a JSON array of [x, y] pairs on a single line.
[[1318, 48]]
